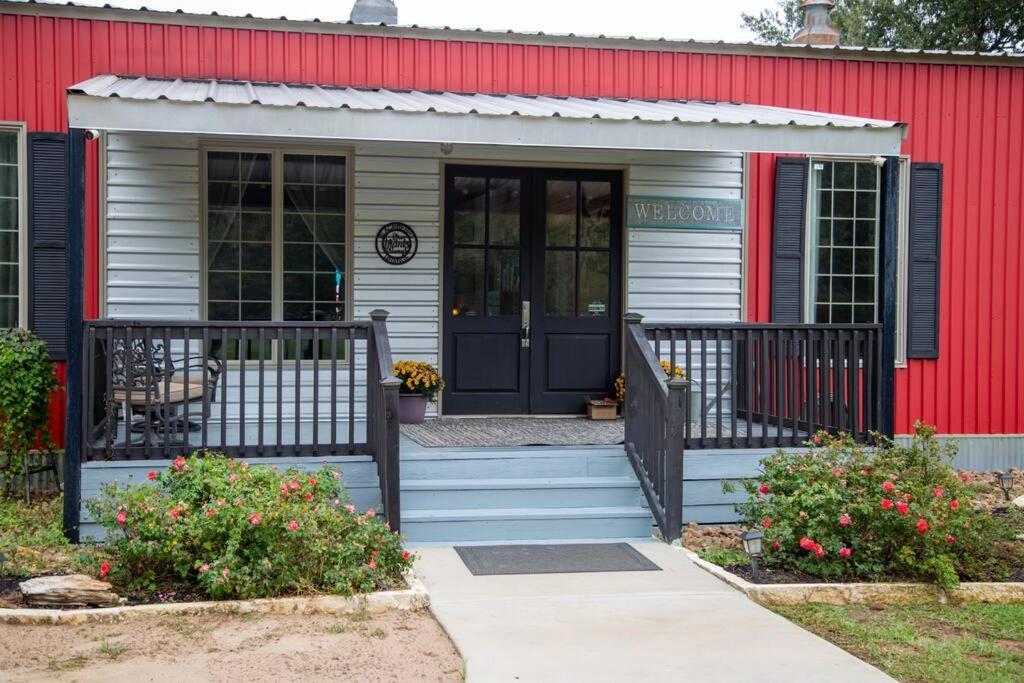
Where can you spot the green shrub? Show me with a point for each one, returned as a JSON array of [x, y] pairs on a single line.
[[236, 531], [27, 381], [724, 557], [846, 510]]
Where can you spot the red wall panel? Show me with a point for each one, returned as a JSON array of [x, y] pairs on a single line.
[[967, 117]]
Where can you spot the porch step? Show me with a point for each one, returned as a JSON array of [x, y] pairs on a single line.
[[497, 463], [519, 524], [557, 492]]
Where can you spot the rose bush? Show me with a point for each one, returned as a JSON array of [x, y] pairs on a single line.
[[239, 531], [845, 510]]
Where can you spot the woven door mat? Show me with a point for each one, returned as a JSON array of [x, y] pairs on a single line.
[[569, 558], [448, 432]]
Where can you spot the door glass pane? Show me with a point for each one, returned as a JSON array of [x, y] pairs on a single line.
[[239, 256], [594, 283], [596, 214], [559, 283], [468, 274], [9, 235], [468, 203], [504, 211], [560, 224], [503, 292]]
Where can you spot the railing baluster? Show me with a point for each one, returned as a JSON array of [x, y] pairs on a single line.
[[206, 386], [840, 388], [764, 383], [689, 378], [261, 340], [224, 389], [719, 392], [298, 386], [732, 388], [704, 386], [813, 370], [750, 359], [316, 391], [334, 390], [855, 356], [279, 363], [186, 425], [352, 387], [243, 348], [826, 380], [165, 383]]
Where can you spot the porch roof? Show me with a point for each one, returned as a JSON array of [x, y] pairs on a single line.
[[215, 107]]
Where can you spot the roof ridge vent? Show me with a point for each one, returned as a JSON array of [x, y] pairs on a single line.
[[818, 28], [374, 12]]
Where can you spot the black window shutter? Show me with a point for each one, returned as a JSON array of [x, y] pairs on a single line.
[[47, 240], [923, 239], [788, 227]]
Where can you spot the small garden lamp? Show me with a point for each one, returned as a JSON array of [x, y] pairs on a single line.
[[752, 545], [1006, 483]]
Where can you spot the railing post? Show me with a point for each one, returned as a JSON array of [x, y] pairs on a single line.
[[392, 486], [675, 443], [633, 323], [76, 366]]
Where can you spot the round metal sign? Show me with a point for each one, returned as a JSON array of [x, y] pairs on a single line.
[[396, 243]]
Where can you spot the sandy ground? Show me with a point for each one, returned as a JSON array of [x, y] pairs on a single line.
[[394, 646]]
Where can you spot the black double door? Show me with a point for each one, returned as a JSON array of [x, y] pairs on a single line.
[[532, 288]]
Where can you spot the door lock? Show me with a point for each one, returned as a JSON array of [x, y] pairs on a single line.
[[524, 338]]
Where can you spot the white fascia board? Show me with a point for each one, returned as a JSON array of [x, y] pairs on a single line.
[[217, 119]]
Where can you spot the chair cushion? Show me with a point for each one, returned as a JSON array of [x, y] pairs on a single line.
[[176, 394]]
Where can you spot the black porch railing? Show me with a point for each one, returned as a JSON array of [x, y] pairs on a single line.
[[160, 389], [655, 412]]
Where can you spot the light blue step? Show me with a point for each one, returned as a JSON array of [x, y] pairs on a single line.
[[516, 524], [528, 463], [559, 492]]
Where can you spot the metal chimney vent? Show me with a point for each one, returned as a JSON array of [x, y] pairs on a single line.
[[818, 28], [374, 12]]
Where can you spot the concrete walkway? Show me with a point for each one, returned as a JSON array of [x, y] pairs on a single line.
[[679, 624]]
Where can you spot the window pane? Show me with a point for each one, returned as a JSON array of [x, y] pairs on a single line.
[[222, 256], [842, 204], [298, 227], [330, 170], [299, 168], [9, 279], [468, 272], [504, 211], [867, 205], [844, 175], [864, 314], [864, 262], [8, 214], [256, 227], [257, 287], [254, 167], [8, 246], [594, 283], [822, 290], [842, 289], [560, 283], [842, 314], [222, 166], [8, 147], [222, 286], [256, 256], [468, 211], [867, 176], [824, 232], [824, 261], [595, 214], [503, 291], [561, 214], [865, 233], [842, 233], [256, 196], [298, 198], [864, 290], [8, 181], [842, 261]]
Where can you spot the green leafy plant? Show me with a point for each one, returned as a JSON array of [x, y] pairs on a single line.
[[724, 557], [235, 531], [842, 509], [27, 383]]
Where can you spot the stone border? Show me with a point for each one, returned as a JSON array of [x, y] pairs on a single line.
[[412, 598], [785, 594]]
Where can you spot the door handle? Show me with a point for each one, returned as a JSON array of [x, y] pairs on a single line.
[[524, 338]]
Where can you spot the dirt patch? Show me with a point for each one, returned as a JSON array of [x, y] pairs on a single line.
[[987, 494], [392, 646], [697, 537]]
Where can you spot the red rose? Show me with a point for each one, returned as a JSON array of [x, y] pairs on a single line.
[[954, 504], [293, 525], [845, 520], [817, 440], [371, 564], [309, 496], [104, 570], [902, 508], [886, 504], [938, 492], [818, 551], [122, 517], [179, 464], [766, 523], [764, 489], [405, 554], [845, 552], [775, 545], [964, 478], [174, 512], [151, 476], [806, 543], [888, 487], [255, 518], [922, 526], [951, 539]]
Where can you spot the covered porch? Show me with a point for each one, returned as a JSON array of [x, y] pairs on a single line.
[[176, 364]]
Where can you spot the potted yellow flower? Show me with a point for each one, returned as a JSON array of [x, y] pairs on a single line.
[[420, 383]]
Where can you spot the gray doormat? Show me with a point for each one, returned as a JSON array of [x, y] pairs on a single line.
[[574, 558], [454, 432]]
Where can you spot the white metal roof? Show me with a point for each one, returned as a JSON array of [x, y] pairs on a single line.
[[297, 110], [417, 101]]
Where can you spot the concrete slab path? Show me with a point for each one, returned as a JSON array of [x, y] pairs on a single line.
[[678, 624]]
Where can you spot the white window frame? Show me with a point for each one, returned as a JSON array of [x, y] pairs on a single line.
[[21, 130], [901, 247], [277, 153]]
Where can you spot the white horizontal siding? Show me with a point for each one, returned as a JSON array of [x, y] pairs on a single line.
[[152, 227]]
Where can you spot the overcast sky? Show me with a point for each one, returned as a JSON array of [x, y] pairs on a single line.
[[701, 19]]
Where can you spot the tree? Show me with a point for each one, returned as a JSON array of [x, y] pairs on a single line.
[[981, 25]]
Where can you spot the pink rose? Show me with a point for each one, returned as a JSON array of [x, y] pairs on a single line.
[[845, 552], [255, 519], [151, 476], [922, 526], [350, 509], [902, 508], [293, 525], [371, 564], [886, 504], [203, 568], [888, 487], [122, 517], [371, 513], [174, 513], [938, 492], [405, 554], [845, 520], [954, 504]]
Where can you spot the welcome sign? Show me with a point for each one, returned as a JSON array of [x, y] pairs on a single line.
[[682, 213]]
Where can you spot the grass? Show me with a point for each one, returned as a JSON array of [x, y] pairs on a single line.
[[933, 643], [31, 535], [723, 557]]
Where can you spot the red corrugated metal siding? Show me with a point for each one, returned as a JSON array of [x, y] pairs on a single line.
[[967, 117]]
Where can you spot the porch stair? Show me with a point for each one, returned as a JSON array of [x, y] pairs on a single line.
[[537, 494]]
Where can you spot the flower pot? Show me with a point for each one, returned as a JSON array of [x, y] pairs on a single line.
[[411, 408]]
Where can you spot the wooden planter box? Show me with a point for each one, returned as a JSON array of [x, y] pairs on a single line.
[[602, 411]]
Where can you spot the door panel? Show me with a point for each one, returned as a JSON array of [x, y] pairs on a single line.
[[486, 282], [577, 266], [545, 243]]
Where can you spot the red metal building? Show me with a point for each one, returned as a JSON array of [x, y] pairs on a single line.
[[964, 111]]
